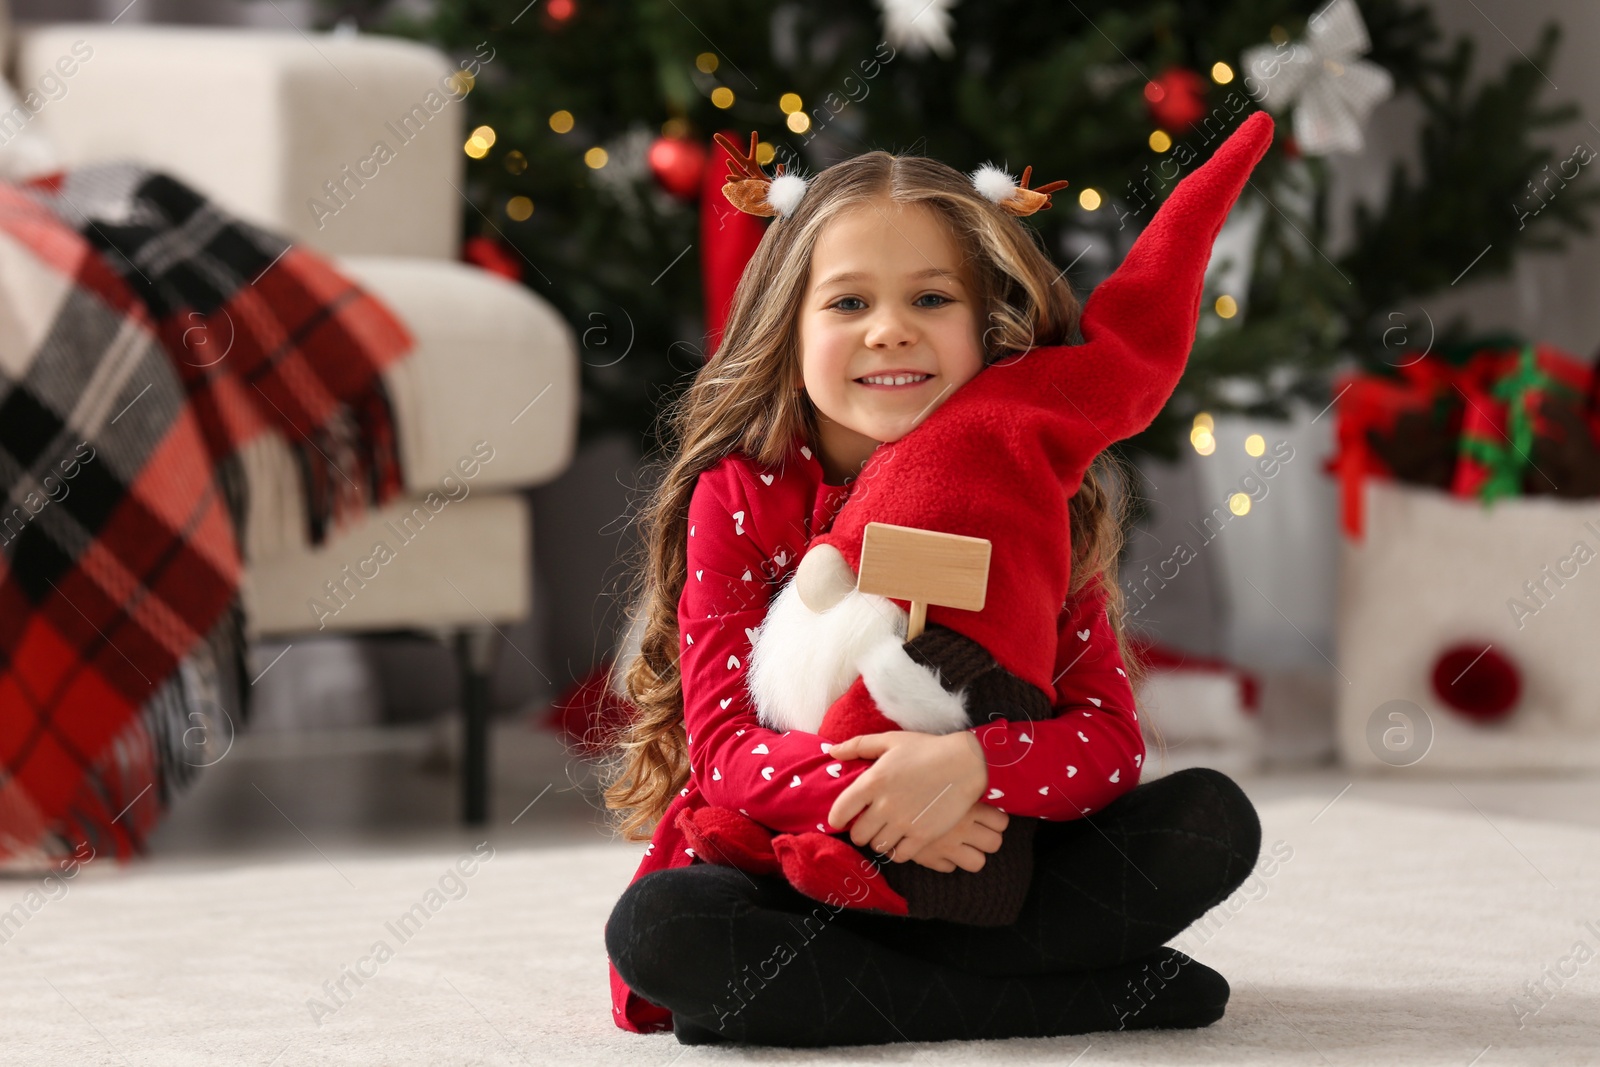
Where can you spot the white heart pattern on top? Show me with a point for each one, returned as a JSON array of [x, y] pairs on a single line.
[[1071, 770], [725, 701], [1116, 774], [688, 638], [1081, 737], [751, 634], [833, 769], [733, 663], [1083, 635], [699, 576], [766, 479], [1025, 739], [691, 531], [804, 451], [1093, 700], [766, 772], [1044, 790], [994, 794], [759, 750], [1136, 760], [716, 775], [738, 522], [794, 781], [1122, 672]]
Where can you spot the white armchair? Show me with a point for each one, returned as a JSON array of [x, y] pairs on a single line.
[[261, 122]]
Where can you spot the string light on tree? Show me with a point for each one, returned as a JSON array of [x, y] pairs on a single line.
[[1089, 200], [1221, 73], [722, 97], [1227, 307], [1201, 436], [1160, 141], [1255, 445], [561, 122], [1239, 503], [706, 62], [791, 105], [480, 142], [516, 162], [596, 157], [519, 209]]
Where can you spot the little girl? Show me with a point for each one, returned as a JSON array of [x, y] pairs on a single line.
[[891, 283]]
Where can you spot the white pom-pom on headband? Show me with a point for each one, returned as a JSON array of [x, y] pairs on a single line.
[[1001, 189], [785, 192], [750, 190]]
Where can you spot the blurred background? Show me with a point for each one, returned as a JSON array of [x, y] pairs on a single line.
[[372, 571], [1423, 219]]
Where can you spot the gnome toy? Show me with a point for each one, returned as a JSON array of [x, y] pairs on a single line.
[[1000, 459]]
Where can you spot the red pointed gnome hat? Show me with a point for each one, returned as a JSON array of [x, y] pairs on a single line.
[[1003, 455]]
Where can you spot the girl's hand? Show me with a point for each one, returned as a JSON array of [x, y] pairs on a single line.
[[920, 786], [964, 845]]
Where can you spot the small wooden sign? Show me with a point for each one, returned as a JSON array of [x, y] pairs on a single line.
[[924, 567]]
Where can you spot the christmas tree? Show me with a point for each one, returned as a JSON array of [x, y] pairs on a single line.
[[592, 120]]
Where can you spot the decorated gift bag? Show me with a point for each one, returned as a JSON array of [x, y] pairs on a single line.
[[1468, 629]]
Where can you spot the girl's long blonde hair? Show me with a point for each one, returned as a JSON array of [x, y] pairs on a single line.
[[744, 400]]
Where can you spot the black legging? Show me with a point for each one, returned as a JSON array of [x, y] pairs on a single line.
[[746, 958]]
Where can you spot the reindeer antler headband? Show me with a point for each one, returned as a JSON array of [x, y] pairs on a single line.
[[750, 190]]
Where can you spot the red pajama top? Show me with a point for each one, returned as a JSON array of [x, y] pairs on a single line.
[[748, 527]]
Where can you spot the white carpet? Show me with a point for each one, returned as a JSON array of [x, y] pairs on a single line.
[[1391, 936]]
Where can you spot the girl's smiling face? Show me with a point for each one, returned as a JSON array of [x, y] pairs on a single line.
[[887, 295]]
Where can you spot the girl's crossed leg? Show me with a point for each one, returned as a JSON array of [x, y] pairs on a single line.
[[746, 958]]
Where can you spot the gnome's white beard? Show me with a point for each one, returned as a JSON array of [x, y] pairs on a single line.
[[801, 661]]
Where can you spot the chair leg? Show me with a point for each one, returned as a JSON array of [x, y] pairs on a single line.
[[475, 648]]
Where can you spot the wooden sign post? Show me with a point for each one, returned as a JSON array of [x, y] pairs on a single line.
[[924, 567]]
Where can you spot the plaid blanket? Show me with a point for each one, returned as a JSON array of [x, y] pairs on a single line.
[[145, 336]]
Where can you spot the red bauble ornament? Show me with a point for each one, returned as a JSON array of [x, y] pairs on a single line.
[[1177, 99], [678, 164], [1479, 685], [493, 256], [558, 12]]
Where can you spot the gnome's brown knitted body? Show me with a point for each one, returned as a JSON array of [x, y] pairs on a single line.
[[992, 895]]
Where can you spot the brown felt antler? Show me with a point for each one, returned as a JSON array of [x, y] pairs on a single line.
[[749, 192], [1026, 201]]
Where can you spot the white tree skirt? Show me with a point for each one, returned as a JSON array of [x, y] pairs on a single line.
[[1391, 935]]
